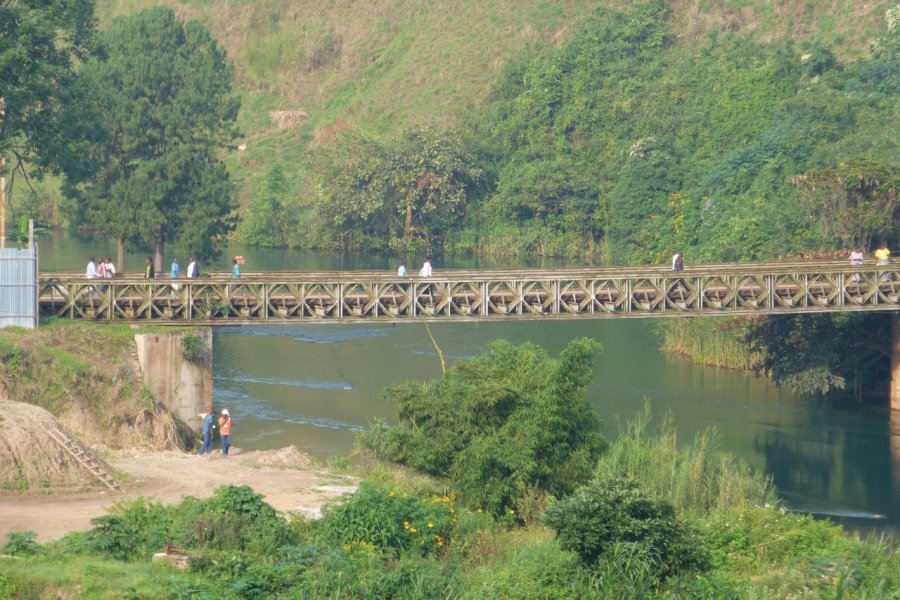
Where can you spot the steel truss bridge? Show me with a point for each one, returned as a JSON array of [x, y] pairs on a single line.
[[469, 295]]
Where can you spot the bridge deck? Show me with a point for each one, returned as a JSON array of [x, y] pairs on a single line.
[[733, 289]]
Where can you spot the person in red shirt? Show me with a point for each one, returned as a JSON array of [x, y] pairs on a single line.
[[225, 423]]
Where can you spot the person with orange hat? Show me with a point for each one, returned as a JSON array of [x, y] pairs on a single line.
[[225, 430]]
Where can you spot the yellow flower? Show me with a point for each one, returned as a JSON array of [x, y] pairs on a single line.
[[430, 525]]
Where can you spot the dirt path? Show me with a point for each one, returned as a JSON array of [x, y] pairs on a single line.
[[284, 477]]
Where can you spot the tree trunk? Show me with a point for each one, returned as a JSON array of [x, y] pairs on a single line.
[[407, 225], [158, 256], [120, 254]]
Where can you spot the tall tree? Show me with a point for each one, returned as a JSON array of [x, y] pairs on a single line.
[[39, 41], [410, 192], [164, 90]]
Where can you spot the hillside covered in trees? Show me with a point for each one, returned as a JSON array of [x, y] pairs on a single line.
[[734, 130]]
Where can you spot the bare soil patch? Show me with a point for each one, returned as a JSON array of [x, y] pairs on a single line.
[[284, 477]]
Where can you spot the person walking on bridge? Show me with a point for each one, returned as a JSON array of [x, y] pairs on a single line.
[[883, 256], [856, 260], [678, 261], [425, 271]]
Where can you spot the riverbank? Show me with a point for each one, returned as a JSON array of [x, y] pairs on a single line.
[[286, 478]]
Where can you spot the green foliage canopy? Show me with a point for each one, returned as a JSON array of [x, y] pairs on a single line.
[[163, 89], [40, 40], [498, 427], [604, 512], [402, 195]]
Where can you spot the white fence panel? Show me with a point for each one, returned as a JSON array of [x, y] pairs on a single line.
[[18, 287]]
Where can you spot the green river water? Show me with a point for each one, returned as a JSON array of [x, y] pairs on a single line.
[[317, 385]]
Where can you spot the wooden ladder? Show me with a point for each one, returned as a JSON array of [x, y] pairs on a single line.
[[85, 457]]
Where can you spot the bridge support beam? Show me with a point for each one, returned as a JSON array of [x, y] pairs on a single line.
[[895, 361]]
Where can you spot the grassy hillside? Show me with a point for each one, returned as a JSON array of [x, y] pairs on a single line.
[[386, 64]]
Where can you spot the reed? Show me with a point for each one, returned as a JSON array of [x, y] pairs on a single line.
[[709, 341], [695, 478]]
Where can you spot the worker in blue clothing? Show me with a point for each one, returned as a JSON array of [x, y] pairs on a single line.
[[207, 433]]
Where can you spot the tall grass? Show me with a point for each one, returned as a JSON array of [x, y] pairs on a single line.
[[695, 478], [708, 341]]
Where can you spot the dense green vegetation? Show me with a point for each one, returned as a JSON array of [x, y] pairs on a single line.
[[650, 520], [160, 95], [621, 143], [509, 421]]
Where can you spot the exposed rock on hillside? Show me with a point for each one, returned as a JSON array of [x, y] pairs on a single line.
[[287, 119]]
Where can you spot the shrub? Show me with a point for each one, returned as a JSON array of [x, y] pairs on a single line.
[[21, 542], [392, 522], [233, 518], [509, 424], [603, 513], [193, 347]]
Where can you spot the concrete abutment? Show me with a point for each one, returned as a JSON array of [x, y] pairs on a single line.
[[183, 386]]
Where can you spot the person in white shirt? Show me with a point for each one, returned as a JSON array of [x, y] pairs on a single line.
[[110, 268], [425, 271], [192, 270], [91, 272], [401, 272]]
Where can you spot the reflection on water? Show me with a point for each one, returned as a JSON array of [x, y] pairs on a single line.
[[316, 385]]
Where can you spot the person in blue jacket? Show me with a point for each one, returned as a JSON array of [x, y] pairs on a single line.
[[207, 433]]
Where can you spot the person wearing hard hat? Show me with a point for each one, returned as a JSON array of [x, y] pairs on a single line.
[[207, 432], [225, 430]]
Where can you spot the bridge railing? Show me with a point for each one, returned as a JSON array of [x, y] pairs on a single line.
[[468, 295]]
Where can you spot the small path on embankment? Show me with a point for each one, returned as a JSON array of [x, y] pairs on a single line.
[[286, 478]]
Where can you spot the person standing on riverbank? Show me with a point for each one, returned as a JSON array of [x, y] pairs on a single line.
[[208, 426], [225, 423]]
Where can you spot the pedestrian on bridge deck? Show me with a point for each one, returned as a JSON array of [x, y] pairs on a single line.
[[883, 256], [856, 260], [149, 269], [401, 271], [678, 261]]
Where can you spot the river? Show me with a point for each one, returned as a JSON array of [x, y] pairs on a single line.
[[317, 385]]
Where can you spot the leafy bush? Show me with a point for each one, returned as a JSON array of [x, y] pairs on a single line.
[[21, 542], [193, 347], [393, 522], [531, 572], [603, 513], [233, 518], [505, 425]]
